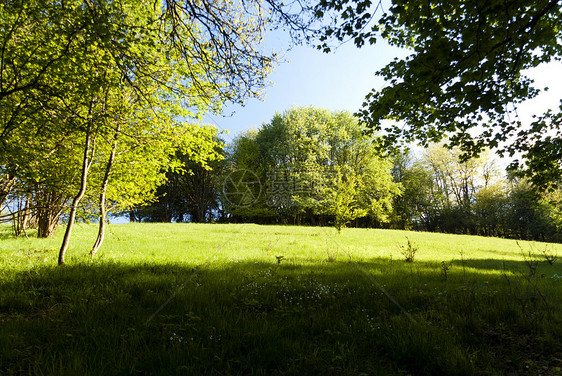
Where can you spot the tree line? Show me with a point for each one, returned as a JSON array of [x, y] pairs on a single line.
[[311, 166], [442, 192], [307, 166]]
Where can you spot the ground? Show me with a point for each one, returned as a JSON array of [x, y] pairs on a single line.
[[279, 300]]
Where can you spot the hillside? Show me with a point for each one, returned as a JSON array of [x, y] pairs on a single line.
[[249, 299]]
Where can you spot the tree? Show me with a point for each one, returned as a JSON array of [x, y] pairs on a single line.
[[70, 69], [443, 193], [456, 185], [345, 206], [465, 75], [314, 165], [413, 207], [190, 192], [241, 186], [213, 46], [490, 209], [44, 180], [532, 214]]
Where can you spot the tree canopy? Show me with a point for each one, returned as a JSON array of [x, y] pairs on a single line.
[[98, 88], [465, 75], [314, 165]]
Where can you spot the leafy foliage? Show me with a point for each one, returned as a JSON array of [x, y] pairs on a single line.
[[188, 193], [316, 164], [444, 193], [97, 87], [408, 250], [466, 70]]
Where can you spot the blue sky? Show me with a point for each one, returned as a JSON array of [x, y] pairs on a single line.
[[340, 80]]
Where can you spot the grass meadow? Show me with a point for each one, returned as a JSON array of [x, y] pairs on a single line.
[[243, 299]]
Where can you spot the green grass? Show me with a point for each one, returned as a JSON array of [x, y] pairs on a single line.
[[278, 300]]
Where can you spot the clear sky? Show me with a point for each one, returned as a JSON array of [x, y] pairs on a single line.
[[340, 80]]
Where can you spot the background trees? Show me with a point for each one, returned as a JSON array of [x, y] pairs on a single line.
[[189, 193], [441, 192], [311, 166], [91, 94], [413, 209]]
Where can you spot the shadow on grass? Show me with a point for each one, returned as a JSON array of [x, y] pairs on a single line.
[[333, 318]]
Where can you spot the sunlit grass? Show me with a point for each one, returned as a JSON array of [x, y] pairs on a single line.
[[195, 243], [249, 299]]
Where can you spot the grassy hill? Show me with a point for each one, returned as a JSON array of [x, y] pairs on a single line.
[[279, 300]]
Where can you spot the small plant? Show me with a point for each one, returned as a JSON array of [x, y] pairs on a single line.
[[549, 256], [279, 259], [444, 270], [531, 261], [331, 253], [409, 250]]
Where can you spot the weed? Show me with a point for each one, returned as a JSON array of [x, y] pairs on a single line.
[[331, 253], [408, 250], [530, 259], [444, 270], [462, 263], [534, 307], [549, 255]]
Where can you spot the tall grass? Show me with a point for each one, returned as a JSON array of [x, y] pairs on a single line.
[[278, 300]]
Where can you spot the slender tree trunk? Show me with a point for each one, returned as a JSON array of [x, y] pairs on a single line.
[[7, 182], [74, 207], [23, 217], [101, 229], [19, 217]]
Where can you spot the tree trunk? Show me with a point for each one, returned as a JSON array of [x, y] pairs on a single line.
[[47, 224], [23, 218], [201, 212], [19, 218], [101, 229], [49, 206], [74, 207], [7, 182]]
